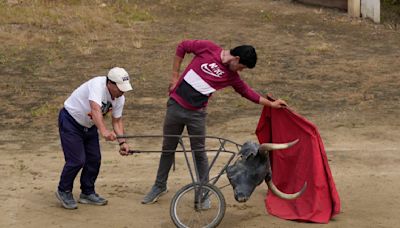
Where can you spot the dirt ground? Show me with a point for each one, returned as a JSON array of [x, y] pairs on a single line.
[[340, 73]]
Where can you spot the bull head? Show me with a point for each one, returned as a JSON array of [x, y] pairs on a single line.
[[253, 167]]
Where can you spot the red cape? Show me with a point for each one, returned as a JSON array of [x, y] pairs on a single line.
[[304, 162]]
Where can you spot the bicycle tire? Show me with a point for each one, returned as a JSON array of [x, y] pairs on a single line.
[[212, 190]]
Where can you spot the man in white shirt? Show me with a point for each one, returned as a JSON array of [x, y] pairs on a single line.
[[80, 122]]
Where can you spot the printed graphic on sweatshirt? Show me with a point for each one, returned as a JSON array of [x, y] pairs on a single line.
[[212, 69]]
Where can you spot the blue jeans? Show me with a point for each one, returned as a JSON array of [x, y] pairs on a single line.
[[81, 151]]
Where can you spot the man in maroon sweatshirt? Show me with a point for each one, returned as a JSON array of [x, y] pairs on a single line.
[[212, 68]]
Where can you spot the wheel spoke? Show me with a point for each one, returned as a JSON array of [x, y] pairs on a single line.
[[186, 213]]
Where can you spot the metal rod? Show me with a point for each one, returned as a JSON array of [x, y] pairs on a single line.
[[176, 136], [187, 160], [221, 148], [223, 169], [173, 151]]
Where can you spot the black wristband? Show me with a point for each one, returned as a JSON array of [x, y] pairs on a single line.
[[122, 143]]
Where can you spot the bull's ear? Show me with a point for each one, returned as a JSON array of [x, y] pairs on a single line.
[[262, 152], [249, 149]]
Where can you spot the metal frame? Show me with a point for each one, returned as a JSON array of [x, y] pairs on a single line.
[[195, 179]]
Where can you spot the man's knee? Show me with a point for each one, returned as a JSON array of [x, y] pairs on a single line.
[[76, 163]]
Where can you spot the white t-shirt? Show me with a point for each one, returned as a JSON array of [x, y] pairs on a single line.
[[95, 89]]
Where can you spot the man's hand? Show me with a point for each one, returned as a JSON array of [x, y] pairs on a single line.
[[278, 104], [124, 149], [98, 120], [109, 135], [174, 80]]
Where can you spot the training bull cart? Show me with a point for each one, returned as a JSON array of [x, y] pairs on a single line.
[[202, 204]]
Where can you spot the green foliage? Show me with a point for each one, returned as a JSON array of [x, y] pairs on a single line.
[[391, 12], [390, 2]]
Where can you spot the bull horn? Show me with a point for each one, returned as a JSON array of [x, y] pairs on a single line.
[[277, 192], [276, 146]]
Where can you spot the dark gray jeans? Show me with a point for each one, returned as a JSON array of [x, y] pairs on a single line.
[[175, 121]]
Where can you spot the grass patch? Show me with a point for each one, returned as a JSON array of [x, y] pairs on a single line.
[[69, 26], [44, 110], [320, 48], [107, 162], [128, 14], [76, 16], [265, 16], [3, 59]]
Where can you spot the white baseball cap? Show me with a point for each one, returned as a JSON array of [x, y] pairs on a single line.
[[121, 78]]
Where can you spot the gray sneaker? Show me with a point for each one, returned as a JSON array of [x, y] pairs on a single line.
[[66, 199], [205, 205], [154, 194], [93, 199]]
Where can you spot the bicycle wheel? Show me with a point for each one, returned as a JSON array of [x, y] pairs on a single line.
[[186, 211]]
